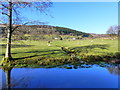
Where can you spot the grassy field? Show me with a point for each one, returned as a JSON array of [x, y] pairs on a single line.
[[35, 50]]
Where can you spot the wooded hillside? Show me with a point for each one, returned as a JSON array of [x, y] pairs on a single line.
[[39, 31]]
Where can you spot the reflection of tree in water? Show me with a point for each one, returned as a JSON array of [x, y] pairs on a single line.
[[114, 69], [20, 82], [14, 82], [23, 81], [7, 71]]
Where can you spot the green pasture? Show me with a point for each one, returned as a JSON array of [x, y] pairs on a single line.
[[35, 49]]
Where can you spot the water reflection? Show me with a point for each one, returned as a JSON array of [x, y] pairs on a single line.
[[7, 71], [114, 70], [12, 81], [20, 80]]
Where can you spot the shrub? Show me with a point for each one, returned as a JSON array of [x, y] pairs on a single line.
[[117, 54]]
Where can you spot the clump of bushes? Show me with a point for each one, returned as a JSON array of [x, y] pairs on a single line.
[[117, 54]]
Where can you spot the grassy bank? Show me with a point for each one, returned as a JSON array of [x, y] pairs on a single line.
[[44, 53]]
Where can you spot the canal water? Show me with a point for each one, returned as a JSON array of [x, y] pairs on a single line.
[[94, 76]]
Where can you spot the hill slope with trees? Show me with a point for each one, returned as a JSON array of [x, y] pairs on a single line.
[[39, 31], [67, 31]]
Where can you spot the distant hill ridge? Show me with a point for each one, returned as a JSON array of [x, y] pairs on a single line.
[[47, 29]]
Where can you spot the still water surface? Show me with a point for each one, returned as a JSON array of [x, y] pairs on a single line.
[[93, 77]]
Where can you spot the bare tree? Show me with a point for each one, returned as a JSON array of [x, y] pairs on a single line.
[[113, 30], [10, 16]]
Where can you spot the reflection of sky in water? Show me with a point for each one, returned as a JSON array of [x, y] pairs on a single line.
[[95, 77]]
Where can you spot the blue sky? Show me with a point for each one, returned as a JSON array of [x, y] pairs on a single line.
[[90, 17]]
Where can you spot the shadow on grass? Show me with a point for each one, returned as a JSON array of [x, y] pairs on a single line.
[[39, 51], [84, 49], [50, 53], [26, 57], [90, 47], [15, 45]]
